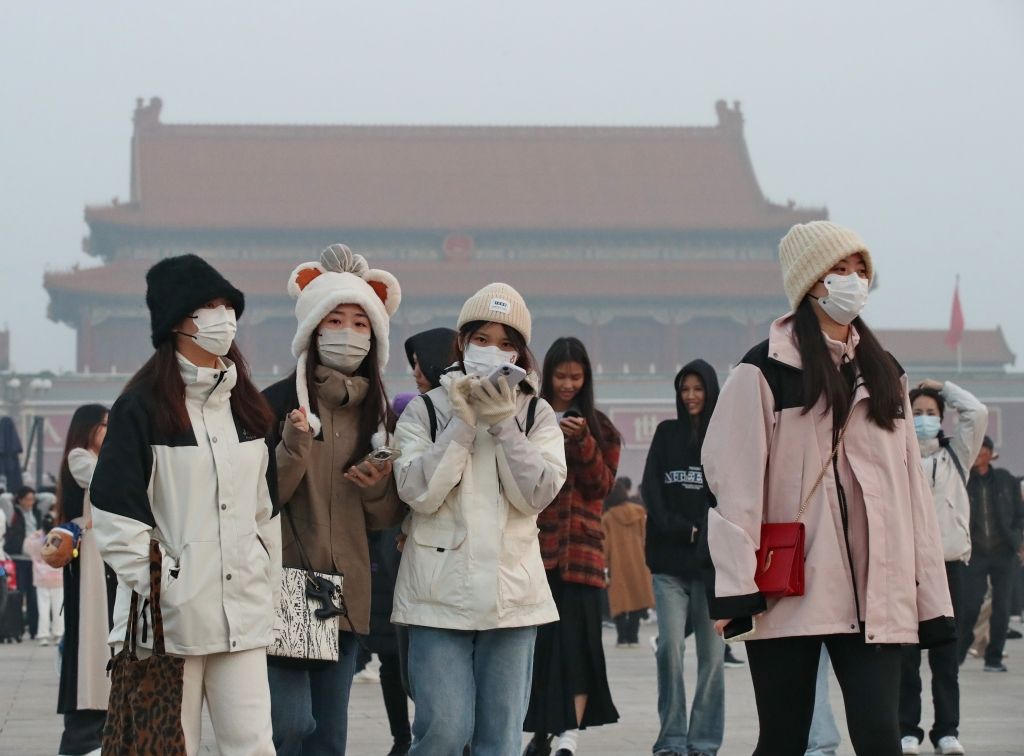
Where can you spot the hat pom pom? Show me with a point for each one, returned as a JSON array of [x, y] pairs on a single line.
[[338, 258]]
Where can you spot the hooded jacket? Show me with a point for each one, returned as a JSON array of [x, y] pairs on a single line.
[[949, 489], [472, 560], [629, 581], [877, 560], [433, 350], [673, 487]]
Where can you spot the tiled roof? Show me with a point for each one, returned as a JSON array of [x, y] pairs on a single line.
[[444, 178], [928, 347]]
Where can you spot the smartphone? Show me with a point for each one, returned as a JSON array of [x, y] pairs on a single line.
[[381, 455], [511, 373], [570, 414], [739, 629]]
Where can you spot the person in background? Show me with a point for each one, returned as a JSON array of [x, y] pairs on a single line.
[[48, 583], [570, 683], [185, 463], [814, 425], [471, 586], [997, 521], [25, 520], [429, 354], [90, 587], [629, 581], [944, 461], [677, 502], [330, 413]]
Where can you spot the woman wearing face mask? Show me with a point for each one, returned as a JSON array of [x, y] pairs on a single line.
[[185, 462], [946, 461], [331, 413], [570, 683], [677, 502], [814, 424], [471, 586]]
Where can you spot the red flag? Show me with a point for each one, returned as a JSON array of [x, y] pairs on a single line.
[[956, 320]]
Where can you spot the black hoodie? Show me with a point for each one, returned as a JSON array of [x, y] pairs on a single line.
[[673, 487], [435, 350]]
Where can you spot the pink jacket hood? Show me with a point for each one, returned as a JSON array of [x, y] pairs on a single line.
[[761, 457]]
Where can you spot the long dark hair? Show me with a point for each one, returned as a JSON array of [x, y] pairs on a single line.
[[160, 380], [570, 349], [526, 360], [84, 424], [821, 379], [374, 412]]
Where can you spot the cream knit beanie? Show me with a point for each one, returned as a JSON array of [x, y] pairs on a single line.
[[809, 250], [498, 303], [341, 277]]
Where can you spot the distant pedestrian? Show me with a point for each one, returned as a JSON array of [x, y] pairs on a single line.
[[629, 581], [480, 460], [945, 461], [997, 521], [90, 587], [25, 520], [815, 425], [677, 502], [570, 682], [48, 583]]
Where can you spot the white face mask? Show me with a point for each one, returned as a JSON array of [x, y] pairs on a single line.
[[482, 360], [846, 297], [216, 329], [342, 349]]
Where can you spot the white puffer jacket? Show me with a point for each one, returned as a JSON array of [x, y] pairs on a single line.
[[952, 505], [472, 560]]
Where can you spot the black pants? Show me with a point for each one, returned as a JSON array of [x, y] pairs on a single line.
[[784, 672], [23, 571], [999, 568], [627, 626], [395, 701], [83, 731], [945, 666]]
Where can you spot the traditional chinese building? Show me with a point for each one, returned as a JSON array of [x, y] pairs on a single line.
[[652, 244]]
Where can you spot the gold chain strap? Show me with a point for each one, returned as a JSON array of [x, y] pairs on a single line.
[[828, 462]]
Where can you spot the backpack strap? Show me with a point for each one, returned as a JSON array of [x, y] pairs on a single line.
[[431, 415], [531, 416], [956, 461]]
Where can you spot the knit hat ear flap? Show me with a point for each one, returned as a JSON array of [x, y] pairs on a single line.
[[302, 391], [302, 276], [386, 287]]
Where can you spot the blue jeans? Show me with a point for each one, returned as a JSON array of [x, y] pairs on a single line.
[[677, 598], [470, 687], [823, 739], [309, 705]]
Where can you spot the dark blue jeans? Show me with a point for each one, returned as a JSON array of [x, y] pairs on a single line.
[[309, 706]]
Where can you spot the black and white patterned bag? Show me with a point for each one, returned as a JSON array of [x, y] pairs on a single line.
[[308, 614]]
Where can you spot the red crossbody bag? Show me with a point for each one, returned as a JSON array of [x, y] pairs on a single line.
[[780, 557]]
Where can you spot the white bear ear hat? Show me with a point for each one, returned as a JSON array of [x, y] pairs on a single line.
[[341, 277]]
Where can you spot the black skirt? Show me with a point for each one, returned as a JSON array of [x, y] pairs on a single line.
[[569, 661]]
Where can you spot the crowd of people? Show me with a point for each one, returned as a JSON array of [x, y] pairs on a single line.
[[474, 534]]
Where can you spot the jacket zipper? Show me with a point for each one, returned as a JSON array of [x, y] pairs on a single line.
[[844, 515]]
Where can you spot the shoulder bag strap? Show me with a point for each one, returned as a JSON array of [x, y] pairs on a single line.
[[155, 576], [828, 463], [431, 416]]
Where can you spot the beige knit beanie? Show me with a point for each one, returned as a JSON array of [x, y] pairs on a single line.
[[809, 250], [498, 303]]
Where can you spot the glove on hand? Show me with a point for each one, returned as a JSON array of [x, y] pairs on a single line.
[[458, 395], [493, 403]]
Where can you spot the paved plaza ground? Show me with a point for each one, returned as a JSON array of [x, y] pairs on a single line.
[[992, 719]]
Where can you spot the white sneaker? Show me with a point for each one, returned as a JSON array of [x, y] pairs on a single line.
[[44, 641], [653, 640], [366, 675], [949, 745], [910, 745]]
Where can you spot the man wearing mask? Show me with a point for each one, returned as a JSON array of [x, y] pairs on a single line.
[[997, 519]]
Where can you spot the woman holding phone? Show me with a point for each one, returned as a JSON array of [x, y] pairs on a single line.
[[482, 456], [570, 683], [815, 425], [331, 414]]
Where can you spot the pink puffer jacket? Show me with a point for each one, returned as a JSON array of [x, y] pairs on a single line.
[[762, 456]]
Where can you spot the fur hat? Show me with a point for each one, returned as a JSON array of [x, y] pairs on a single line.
[[341, 277], [178, 286], [809, 250], [498, 303]]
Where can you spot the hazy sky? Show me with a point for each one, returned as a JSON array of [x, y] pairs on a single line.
[[900, 117]]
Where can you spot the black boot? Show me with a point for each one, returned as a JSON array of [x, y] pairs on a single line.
[[539, 745]]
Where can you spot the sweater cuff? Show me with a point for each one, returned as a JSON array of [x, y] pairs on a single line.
[[936, 632], [295, 440], [733, 607]]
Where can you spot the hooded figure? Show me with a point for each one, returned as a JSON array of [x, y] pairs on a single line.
[[673, 487], [432, 352]]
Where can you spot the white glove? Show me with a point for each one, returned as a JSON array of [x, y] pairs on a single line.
[[458, 396], [493, 403]]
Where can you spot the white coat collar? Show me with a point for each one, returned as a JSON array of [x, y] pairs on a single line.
[[202, 384]]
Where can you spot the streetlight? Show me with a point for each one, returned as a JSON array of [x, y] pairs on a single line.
[[14, 396]]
